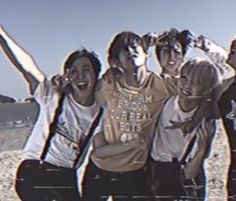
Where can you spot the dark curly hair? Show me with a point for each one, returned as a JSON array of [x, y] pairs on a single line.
[[184, 38]]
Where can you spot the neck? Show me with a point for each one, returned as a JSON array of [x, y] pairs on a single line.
[[169, 74], [136, 79], [86, 100], [187, 104]]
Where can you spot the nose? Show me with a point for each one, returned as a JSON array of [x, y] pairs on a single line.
[[171, 55], [132, 49], [80, 75]]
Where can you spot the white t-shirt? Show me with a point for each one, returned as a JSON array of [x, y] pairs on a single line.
[[171, 143], [73, 125]]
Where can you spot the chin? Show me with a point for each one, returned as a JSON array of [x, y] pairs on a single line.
[[173, 73]]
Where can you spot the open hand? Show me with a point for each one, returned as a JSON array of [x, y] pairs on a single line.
[[185, 126]]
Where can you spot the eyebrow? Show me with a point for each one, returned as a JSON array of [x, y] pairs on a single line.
[[83, 66]]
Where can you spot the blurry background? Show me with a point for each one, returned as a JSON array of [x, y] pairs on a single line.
[[50, 29]]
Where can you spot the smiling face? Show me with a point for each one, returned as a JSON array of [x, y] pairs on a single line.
[[83, 78], [197, 80], [232, 55], [171, 58], [189, 87]]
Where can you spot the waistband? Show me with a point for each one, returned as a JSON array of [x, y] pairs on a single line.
[[44, 164]]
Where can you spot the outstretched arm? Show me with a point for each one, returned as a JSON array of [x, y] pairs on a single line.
[[22, 60]]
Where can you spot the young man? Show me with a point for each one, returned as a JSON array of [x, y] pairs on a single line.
[[170, 50], [175, 155], [227, 105], [67, 111], [132, 104], [226, 99]]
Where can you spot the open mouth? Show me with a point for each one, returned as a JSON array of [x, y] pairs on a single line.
[[171, 62], [82, 85]]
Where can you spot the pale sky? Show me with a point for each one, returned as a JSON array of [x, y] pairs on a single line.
[[50, 29]]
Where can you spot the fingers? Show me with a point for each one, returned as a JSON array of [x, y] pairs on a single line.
[[1, 28], [203, 132], [150, 38], [61, 81], [202, 42], [56, 79], [161, 37], [176, 124]]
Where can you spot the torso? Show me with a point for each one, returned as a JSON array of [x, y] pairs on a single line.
[[131, 112]]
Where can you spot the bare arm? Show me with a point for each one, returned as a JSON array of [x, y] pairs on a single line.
[[103, 150], [22, 60], [217, 55], [193, 167]]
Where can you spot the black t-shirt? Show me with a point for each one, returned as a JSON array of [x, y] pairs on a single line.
[[227, 112]]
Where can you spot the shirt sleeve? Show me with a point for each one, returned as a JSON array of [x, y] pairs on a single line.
[[218, 55], [171, 85], [102, 90], [44, 92]]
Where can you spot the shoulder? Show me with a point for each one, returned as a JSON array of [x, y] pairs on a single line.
[[158, 84], [45, 91]]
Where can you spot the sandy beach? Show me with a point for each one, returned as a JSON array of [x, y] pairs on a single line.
[[14, 135]]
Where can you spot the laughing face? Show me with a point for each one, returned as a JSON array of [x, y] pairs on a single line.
[[171, 58], [83, 78], [190, 88], [197, 79]]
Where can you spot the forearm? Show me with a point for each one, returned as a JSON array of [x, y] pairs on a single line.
[[218, 56], [110, 150], [193, 167], [19, 57]]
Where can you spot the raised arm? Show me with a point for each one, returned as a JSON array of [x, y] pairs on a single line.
[[22, 60], [216, 54]]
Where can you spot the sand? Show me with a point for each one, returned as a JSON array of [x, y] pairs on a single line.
[[14, 135]]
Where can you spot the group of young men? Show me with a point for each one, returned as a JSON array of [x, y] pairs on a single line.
[[149, 134]]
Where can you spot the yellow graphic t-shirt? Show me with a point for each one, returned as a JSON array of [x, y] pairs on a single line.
[[131, 112]]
